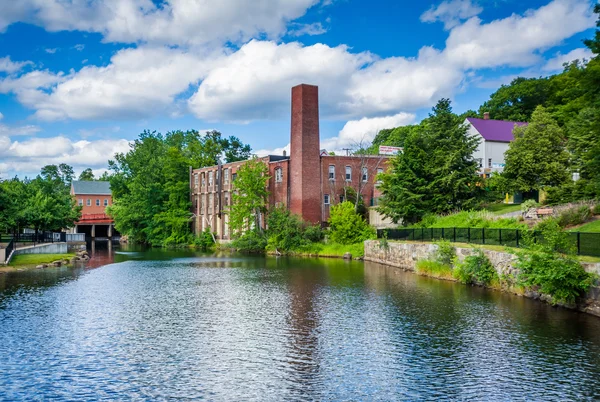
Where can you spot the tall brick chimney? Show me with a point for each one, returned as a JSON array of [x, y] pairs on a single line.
[[305, 162], [486, 116]]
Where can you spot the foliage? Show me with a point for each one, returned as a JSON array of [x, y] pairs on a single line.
[[150, 183], [43, 204], [596, 209], [36, 259], [445, 253], [592, 227], [469, 219], [252, 241], [575, 216], [86, 175], [436, 173], [475, 269], [249, 200], [313, 233], [331, 249], [551, 267], [528, 204], [205, 241], [537, 158], [284, 230], [348, 227], [433, 268]]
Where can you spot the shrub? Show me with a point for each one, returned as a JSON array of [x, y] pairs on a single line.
[[473, 219], [574, 216], [434, 268], [251, 242], [348, 227], [475, 269], [528, 204], [313, 233], [550, 266], [446, 253], [205, 241], [596, 209], [287, 232]]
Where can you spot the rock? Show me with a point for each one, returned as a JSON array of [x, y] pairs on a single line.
[[75, 259], [347, 256], [57, 263], [41, 266]]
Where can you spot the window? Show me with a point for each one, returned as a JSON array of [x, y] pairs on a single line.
[[490, 162], [341, 198], [97, 202], [278, 175], [210, 201], [226, 176], [201, 205], [226, 199], [196, 180], [480, 161], [365, 174], [203, 179], [326, 199], [348, 173], [89, 202], [210, 178], [379, 171], [331, 172], [233, 176], [81, 202], [106, 202]]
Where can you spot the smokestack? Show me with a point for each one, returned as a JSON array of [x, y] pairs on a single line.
[[486, 116]]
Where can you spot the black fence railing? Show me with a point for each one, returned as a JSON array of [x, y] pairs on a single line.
[[9, 249], [34, 238], [583, 243]]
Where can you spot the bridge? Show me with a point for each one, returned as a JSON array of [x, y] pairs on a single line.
[[96, 226]]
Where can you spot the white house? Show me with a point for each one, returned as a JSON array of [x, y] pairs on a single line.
[[495, 137]]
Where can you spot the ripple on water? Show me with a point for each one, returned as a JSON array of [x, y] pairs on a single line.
[[267, 329]]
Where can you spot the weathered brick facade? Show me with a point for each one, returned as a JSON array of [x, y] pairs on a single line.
[[300, 181]]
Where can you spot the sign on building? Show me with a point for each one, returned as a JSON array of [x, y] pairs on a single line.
[[498, 165], [387, 150]]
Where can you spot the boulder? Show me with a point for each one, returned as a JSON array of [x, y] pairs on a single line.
[[57, 263], [42, 266], [347, 256]]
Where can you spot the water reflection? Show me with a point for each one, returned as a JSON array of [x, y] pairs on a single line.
[[181, 324]]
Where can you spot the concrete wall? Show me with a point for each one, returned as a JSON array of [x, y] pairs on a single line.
[[406, 255], [51, 248]]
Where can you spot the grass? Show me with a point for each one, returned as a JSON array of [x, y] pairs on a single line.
[[472, 219], [593, 227], [37, 259], [332, 250], [500, 209], [434, 269]]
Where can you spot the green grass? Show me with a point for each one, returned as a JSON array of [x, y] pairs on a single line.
[[588, 227], [37, 259], [500, 209], [472, 219], [332, 250], [434, 268]]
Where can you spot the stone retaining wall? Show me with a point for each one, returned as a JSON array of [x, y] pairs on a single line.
[[405, 256], [50, 248]]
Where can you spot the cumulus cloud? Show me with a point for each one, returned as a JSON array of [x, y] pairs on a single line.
[[169, 22], [516, 40], [10, 67], [556, 63], [29, 156], [451, 12], [315, 28]]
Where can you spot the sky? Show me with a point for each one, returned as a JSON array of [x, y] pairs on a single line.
[[79, 79]]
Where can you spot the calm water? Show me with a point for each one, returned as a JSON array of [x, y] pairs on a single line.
[[156, 326]]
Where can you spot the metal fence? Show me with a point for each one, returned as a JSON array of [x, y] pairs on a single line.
[[34, 238], [583, 243]]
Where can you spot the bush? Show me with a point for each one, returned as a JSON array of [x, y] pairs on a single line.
[[475, 269], [287, 232], [528, 204], [446, 253], [574, 216], [348, 227], [466, 219], [313, 233], [205, 241], [596, 209], [551, 267], [251, 242]]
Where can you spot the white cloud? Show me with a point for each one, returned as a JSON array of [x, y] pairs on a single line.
[[275, 151], [516, 40], [171, 22], [556, 63], [51, 51], [357, 133], [79, 47], [451, 12], [315, 28], [17, 131], [29, 156], [10, 67]]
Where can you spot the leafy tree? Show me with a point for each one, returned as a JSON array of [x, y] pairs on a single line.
[[594, 43], [537, 157], [346, 226], [86, 175], [249, 200], [436, 173], [284, 229], [61, 173]]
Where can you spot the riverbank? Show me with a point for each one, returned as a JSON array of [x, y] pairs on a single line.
[[407, 255], [31, 261]]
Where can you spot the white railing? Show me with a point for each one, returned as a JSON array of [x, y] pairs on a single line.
[[73, 237]]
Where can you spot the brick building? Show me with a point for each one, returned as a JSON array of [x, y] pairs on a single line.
[[93, 197], [308, 181]]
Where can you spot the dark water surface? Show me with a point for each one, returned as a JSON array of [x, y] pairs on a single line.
[[166, 325]]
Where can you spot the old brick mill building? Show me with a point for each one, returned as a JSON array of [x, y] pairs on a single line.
[[308, 181]]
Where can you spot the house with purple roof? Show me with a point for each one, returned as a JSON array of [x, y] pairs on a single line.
[[495, 136]]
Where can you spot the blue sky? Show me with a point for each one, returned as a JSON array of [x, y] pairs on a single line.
[[80, 79]]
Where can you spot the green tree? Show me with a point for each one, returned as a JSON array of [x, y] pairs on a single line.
[[346, 226], [436, 173], [594, 43], [61, 173], [537, 157], [86, 175], [249, 200], [284, 229]]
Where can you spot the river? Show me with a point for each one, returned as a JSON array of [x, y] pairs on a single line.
[[156, 325]]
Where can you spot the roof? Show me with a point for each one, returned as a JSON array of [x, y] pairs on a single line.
[[495, 130], [91, 187]]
